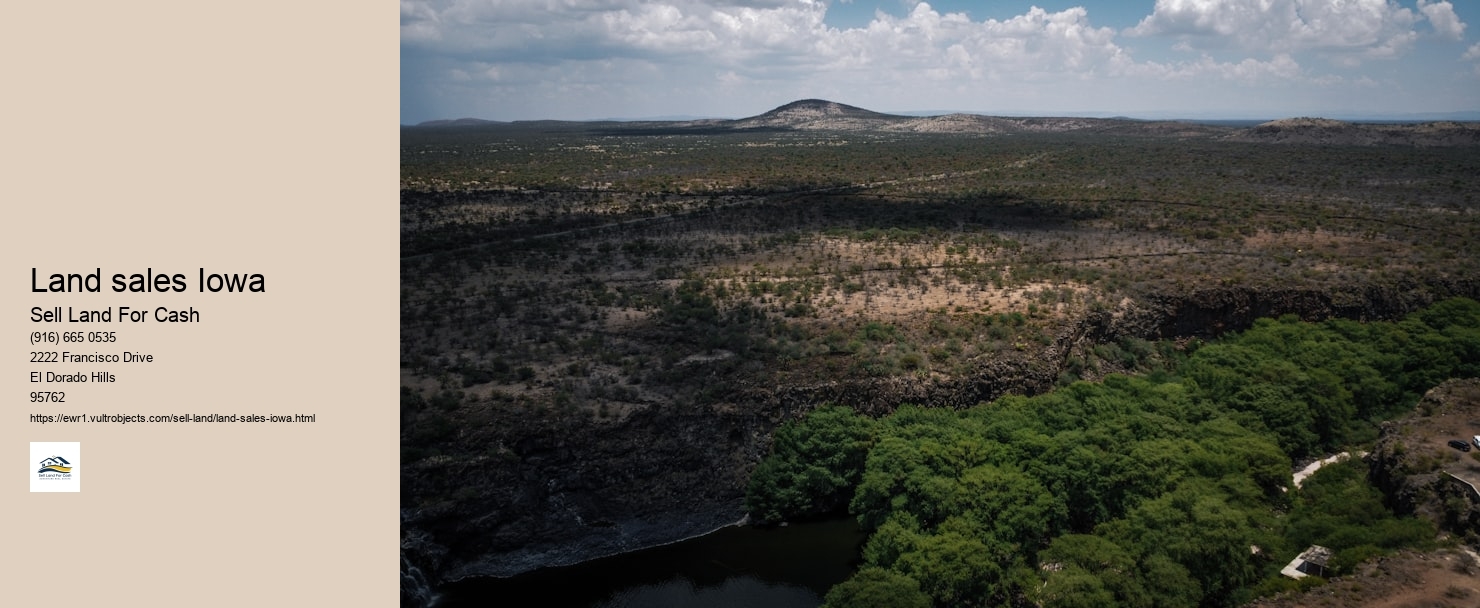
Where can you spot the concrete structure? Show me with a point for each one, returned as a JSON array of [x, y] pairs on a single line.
[[1311, 562]]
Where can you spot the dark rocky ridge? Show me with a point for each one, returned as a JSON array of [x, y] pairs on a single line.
[[567, 490], [547, 489]]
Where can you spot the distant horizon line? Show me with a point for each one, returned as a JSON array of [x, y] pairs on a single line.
[[1169, 115]]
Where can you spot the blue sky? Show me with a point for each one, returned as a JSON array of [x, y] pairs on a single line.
[[589, 59]]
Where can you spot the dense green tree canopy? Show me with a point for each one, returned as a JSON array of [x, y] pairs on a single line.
[[1170, 490]]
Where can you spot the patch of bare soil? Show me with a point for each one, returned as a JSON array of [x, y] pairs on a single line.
[[1450, 412], [1447, 578]]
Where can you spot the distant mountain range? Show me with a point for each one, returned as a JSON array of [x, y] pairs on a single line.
[[824, 115], [459, 122], [1336, 132]]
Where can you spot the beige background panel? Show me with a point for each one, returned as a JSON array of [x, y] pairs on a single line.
[[243, 138]]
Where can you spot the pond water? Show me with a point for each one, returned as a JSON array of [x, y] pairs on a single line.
[[783, 567]]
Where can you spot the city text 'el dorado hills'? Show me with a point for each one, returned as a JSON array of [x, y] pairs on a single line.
[[149, 282]]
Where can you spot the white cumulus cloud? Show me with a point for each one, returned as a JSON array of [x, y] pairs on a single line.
[[952, 43], [601, 58], [1374, 28], [1441, 16], [1472, 53], [1281, 67]]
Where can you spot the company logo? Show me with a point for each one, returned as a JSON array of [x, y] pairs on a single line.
[[57, 465], [54, 466]]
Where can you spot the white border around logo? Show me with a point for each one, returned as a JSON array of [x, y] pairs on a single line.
[[50, 452]]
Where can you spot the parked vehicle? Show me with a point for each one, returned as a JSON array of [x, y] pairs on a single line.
[[1459, 445]]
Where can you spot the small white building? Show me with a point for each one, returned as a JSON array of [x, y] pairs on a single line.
[[1311, 562]]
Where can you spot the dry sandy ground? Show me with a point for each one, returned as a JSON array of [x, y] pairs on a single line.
[[1442, 579], [1453, 412]]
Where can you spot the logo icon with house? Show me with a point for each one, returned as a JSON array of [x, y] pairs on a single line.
[[55, 464]]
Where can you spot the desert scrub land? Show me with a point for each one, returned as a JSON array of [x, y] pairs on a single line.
[[570, 269], [603, 324]]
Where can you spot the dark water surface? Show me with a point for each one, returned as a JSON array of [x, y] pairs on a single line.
[[790, 567]]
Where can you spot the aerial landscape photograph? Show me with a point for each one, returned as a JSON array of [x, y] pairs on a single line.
[[887, 303]]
